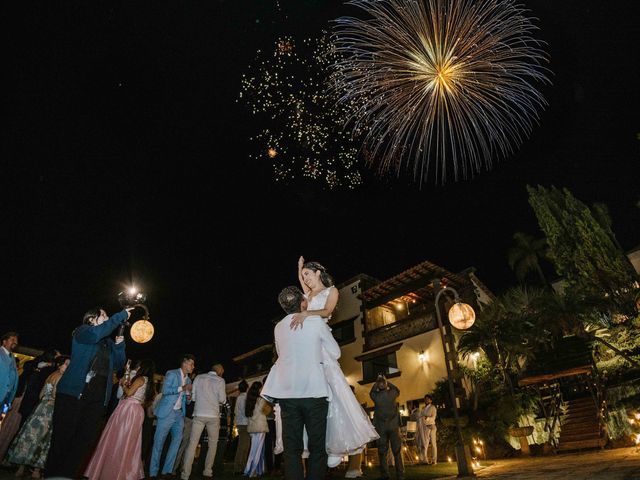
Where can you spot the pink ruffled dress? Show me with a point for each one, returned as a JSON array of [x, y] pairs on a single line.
[[118, 454]]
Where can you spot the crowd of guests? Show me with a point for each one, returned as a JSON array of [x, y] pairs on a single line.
[[73, 417]]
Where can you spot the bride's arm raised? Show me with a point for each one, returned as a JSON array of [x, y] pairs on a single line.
[[303, 285]]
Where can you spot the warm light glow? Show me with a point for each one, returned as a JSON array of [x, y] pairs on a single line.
[[422, 357], [462, 316], [142, 331], [133, 290], [637, 415], [480, 442], [478, 449], [399, 306], [416, 457], [449, 459], [272, 152], [369, 464]]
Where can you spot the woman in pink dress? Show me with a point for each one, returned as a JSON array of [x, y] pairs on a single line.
[[118, 454]]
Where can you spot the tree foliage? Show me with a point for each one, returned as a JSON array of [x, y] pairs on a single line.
[[583, 250], [525, 255]]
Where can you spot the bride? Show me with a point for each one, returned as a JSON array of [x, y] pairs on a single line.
[[349, 428]]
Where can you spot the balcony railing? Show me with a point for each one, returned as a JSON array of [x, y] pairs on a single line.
[[421, 320]]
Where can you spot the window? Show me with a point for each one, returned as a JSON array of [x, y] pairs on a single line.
[[386, 364], [344, 332]]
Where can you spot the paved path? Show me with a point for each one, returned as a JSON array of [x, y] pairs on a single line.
[[613, 464]]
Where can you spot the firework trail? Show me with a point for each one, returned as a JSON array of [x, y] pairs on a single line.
[[441, 84], [303, 135]]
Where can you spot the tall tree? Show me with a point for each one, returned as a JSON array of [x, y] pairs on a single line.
[[583, 252], [524, 257]]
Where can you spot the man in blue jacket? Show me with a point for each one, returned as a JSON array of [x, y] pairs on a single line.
[[83, 392], [170, 411], [8, 370]]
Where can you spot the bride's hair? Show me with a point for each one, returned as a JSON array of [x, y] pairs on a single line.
[[325, 278]]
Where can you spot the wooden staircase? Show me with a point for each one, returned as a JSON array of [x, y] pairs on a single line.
[[581, 427]]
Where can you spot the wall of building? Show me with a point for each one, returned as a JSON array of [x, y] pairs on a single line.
[[417, 377]]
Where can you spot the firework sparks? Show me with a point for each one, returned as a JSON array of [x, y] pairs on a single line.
[[303, 135], [442, 84]]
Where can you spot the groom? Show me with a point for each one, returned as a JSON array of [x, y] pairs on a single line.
[[297, 382]]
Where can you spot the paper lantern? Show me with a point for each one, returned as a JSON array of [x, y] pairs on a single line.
[[462, 316], [141, 331]]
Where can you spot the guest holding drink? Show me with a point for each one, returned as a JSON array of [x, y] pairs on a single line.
[[118, 455]]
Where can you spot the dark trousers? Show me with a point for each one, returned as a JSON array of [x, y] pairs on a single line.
[[297, 414], [76, 425], [147, 441], [269, 445], [242, 450], [390, 434]]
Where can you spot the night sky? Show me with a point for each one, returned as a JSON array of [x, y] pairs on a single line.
[[127, 158]]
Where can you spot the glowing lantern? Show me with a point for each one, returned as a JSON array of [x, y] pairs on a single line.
[[462, 316], [141, 331]]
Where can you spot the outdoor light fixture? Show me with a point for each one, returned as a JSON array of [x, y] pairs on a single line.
[[461, 315], [422, 356], [142, 331]]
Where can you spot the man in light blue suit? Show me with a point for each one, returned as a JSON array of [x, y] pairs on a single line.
[[8, 370], [170, 411]]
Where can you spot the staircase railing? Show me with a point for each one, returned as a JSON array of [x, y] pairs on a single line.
[[552, 410]]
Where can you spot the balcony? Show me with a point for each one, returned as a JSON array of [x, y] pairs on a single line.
[[419, 321]]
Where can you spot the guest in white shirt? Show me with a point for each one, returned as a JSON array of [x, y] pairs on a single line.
[[208, 394], [244, 441], [427, 430]]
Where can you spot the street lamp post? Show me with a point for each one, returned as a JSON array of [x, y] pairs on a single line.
[[463, 456]]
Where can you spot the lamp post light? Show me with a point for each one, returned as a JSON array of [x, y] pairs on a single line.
[[461, 316]]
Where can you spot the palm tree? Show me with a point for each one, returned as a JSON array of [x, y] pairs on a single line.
[[506, 330], [525, 255]]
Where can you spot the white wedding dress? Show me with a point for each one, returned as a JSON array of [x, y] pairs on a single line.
[[349, 428]]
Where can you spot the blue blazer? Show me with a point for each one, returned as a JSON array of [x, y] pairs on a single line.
[[8, 378], [84, 346], [172, 381]]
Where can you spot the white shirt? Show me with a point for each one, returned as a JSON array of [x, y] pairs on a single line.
[[178, 405], [299, 370], [429, 413], [238, 412], [208, 393]]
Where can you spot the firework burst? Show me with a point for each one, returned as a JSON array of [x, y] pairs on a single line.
[[442, 84]]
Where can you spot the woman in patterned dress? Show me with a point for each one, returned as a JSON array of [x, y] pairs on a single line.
[[31, 445]]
